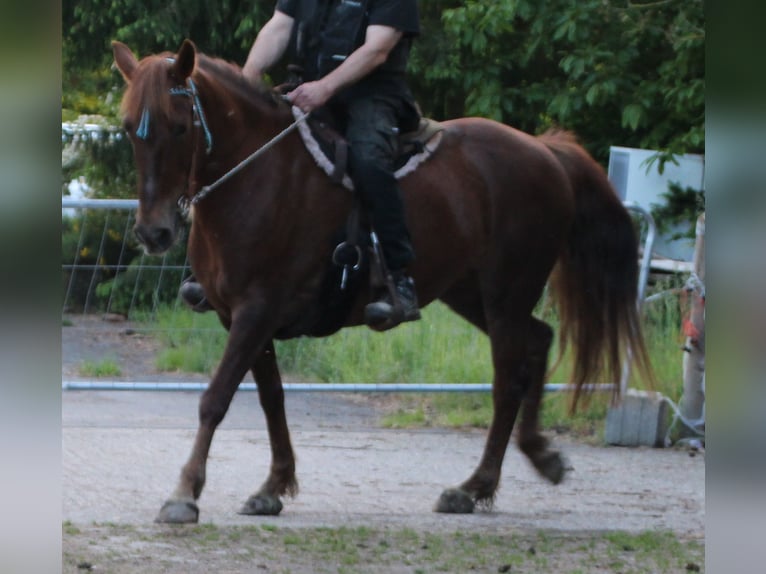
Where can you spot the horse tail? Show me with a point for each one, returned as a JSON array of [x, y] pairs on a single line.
[[595, 283]]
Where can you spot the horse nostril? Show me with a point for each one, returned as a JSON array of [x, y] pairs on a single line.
[[154, 239], [164, 238]]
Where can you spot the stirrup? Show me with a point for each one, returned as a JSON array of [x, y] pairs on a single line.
[[389, 311], [395, 307]]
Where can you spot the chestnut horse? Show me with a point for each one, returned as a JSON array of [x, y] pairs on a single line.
[[490, 214]]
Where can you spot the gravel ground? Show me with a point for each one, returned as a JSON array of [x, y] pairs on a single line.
[[122, 452]]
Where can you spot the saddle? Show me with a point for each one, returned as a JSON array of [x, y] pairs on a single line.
[[330, 149]]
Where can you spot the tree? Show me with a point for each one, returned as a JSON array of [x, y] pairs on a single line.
[[623, 73], [616, 73], [225, 28]]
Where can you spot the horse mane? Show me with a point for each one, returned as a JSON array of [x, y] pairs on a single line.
[[230, 75], [151, 84]]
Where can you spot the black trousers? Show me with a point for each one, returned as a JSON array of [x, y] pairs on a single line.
[[371, 126]]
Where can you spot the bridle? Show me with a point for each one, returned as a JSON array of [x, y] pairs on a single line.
[[198, 114], [199, 120]]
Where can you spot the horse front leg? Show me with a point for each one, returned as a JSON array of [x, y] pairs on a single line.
[[281, 480], [245, 343]]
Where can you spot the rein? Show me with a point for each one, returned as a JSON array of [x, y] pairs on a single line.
[[202, 193]]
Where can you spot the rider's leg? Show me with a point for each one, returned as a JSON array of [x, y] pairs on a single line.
[[372, 127]]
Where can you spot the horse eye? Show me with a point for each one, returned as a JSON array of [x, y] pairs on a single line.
[[178, 129], [128, 127]]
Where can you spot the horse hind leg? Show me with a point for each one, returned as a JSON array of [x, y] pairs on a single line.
[[508, 336], [281, 480], [549, 463]]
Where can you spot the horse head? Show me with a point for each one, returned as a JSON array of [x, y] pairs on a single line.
[[161, 128]]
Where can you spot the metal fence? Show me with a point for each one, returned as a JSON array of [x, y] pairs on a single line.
[[106, 274], [98, 251]]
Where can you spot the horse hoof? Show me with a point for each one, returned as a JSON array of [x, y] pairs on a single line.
[[551, 465], [178, 512], [262, 505], [455, 501]]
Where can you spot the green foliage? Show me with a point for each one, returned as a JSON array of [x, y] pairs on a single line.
[[419, 352], [143, 285], [424, 352], [103, 157], [192, 342], [106, 270], [388, 548], [92, 248], [682, 207], [624, 73], [102, 368], [226, 28], [614, 73]]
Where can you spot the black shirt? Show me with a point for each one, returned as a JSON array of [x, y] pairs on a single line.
[[389, 77], [399, 14]]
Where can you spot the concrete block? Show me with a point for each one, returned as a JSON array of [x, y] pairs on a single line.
[[641, 419]]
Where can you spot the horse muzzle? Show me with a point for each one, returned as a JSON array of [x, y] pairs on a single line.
[[157, 238]]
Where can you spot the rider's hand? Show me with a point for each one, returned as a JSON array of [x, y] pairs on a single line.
[[310, 96]]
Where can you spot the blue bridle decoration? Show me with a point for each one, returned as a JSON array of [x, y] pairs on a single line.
[[143, 126], [197, 111]]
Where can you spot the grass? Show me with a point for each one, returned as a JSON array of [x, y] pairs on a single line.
[[192, 342], [441, 348], [374, 549], [102, 368], [69, 529]]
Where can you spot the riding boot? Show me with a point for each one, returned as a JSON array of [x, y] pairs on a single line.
[[193, 295], [397, 305]]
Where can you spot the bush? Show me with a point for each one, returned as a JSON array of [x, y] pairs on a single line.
[[146, 283], [103, 266], [93, 248]]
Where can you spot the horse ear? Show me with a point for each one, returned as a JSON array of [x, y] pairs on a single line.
[[185, 60], [125, 60]]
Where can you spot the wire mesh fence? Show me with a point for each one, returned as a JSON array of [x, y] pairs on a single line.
[[104, 269], [107, 277]]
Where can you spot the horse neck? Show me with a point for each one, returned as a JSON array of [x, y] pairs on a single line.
[[242, 123], [239, 122], [267, 193]]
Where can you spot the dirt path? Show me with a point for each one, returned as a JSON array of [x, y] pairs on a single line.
[[122, 452]]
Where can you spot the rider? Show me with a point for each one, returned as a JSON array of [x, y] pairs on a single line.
[[353, 55]]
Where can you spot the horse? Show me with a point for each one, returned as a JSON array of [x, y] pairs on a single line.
[[494, 215]]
